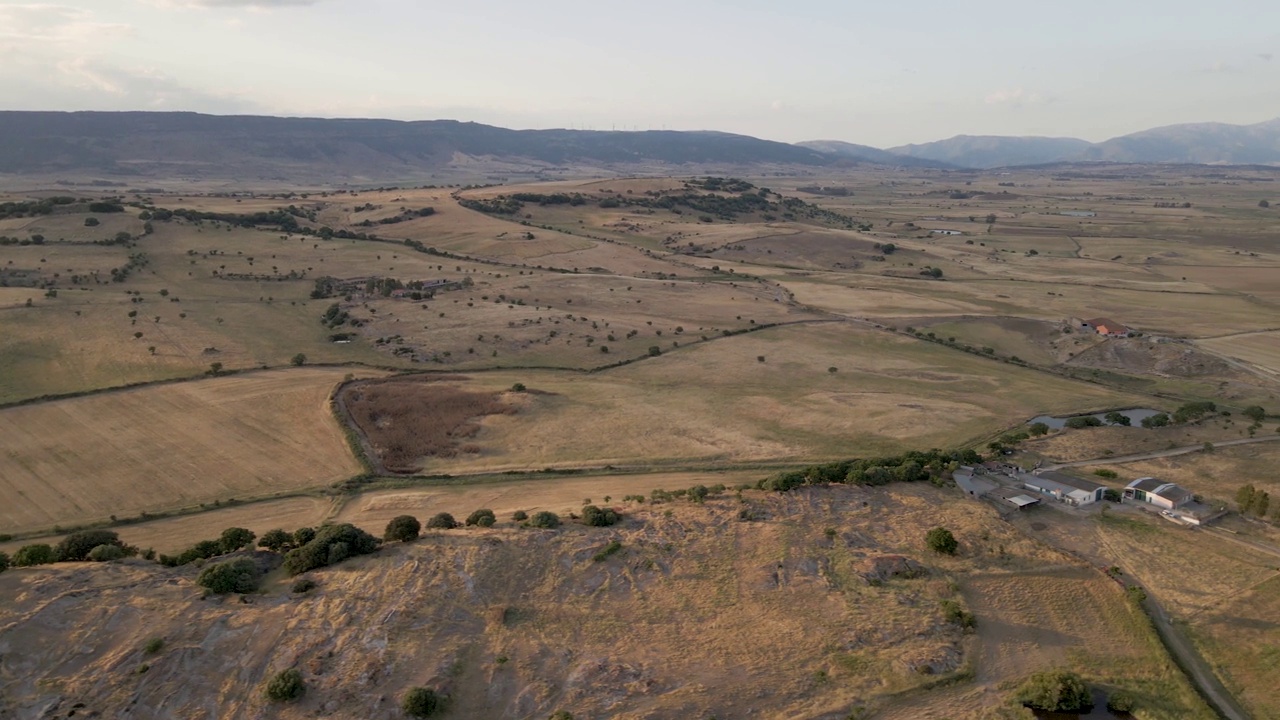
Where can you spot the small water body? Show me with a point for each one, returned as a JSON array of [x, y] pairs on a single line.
[[1135, 415], [1079, 213], [1099, 711]]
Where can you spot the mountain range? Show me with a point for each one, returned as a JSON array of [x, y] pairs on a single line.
[[190, 145]]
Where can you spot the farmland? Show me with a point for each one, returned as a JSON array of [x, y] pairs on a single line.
[[167, 372]]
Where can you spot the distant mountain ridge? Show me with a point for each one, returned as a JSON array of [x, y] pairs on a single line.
[[242, 148]]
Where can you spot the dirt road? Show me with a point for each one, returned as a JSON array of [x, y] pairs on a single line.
[[1171, 452], [1185, 654]]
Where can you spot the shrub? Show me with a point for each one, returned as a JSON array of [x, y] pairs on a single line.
[[608, 550], [403, 528], [562, 715], [1085, 421], [1105, 473], [421, 702], [483, 517], [331, 544], [298, 360], [519, 516], [1037, 429], [955, 613], [276, 540], [35, 554], [545, 519], [1157, 420], [518, 387], [235, 538], [599, 517], [1055, 691], [285, 686], [442, 521], [304, 535], [4, 561], [1121, 702], [303, 585], [239, 576], [153, 646], [940, 540], [76, 546], [106, 553]]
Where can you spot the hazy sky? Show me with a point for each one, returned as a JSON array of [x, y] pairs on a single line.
[[879, 73]]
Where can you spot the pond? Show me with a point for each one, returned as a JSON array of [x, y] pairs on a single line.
[[1079, 213], [1135, 415], [1099, 711]]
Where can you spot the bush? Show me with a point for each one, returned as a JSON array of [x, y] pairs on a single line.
[[1105, 473], [76, 546], [4, 561], [940, 540], [304, 535], [331, 544], [106, 553], [1121, 702], [239, 576], [285, 686], [562, 715], [1038, 429], [1085, 421], [599, 517], [235, 538], [276, 540], [483, 517], [153, 646], [303, 585], [403, 528], [955, 613], [608, 550], [442, 521], [545, 519], [1055, 691], [519, 516], [35, 554], [421, 702]]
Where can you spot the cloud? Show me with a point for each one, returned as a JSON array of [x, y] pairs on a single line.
[[46, 25], [1014, 97], [251, 4], [1222, 67], [1265, 57]]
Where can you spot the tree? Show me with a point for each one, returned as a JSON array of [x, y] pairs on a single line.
[[1038, 429], [991, 218], [1121, 702], [4, 561], [403, 528], [76, 546], [215, 368], [545, 519], [1261, 503], [303, 535], [654, 351], [483, 517], [330, 544], [1206, 447], [235, 538], [442, 521], [422, 702], [1055, 691], [239, 576], [602, 517], [276, 540], [1245, 497], [518, 387], [1264, 204], [1084, 421], [1155, 421], [519, 516], [34, 554], [1118, 418], [91, 222], [106, 553], [940, 540], [285, 686], [298, 360], [1254, 413]]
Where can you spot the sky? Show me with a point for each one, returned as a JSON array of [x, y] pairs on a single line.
[[882, 74]]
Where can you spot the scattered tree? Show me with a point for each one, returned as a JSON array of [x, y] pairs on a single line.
[[235, 538], [285, 686], [545, 519], [483, 517], [298, 360], [1038, 429], [519, 516], [239, 576], [77, 546], [34, 554], [276, 540], [402, 528], [331, 544], [422, 702], [600, 517], [940, 540], [442, 521], [1055, 691]]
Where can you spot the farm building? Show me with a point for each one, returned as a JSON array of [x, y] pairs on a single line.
[[947, 232], [1064, 488], [1013, 497], [1107, 327], [1157, 492]]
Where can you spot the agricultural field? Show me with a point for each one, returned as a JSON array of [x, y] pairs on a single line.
[[166, 369], [171, 446]]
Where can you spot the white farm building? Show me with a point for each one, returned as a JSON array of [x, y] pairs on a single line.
[[1153, 491]]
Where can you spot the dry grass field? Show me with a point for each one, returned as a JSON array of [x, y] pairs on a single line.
[[518, 623], [163, 447]]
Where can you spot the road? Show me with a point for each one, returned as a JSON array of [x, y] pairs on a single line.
[[1171, 452]]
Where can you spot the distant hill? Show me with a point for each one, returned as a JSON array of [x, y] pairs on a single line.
[[867, 154], [1204, 143], [991, 151], [145, 144]]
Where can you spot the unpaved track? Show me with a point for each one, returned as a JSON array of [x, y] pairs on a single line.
[[1171, 452]]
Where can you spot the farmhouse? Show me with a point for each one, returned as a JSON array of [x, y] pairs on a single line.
[[1107, 327], [1154, 491], [1063, 488]]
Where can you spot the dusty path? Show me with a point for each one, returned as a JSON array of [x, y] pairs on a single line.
[[1171, 452], [1192, 663]]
